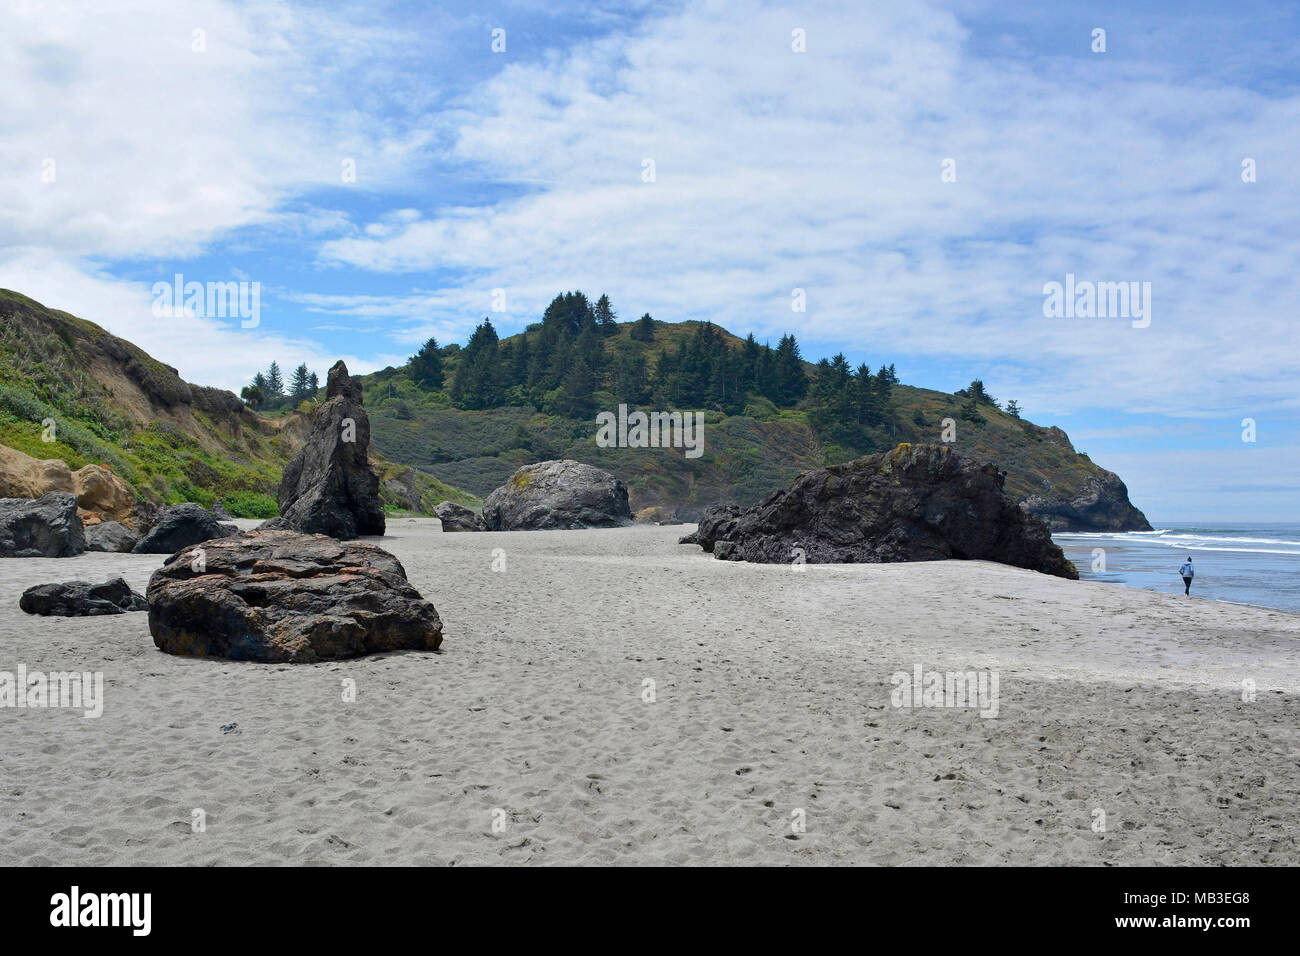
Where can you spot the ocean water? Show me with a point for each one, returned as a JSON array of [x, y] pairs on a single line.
[[1241, 563]]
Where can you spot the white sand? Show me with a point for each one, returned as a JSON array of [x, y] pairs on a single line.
[[772, 696]]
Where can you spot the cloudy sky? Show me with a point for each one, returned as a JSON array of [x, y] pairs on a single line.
[[141, 139]]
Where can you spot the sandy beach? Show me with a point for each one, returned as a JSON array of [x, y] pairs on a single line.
[[771, 706]]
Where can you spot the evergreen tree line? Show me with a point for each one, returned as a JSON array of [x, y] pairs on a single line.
[[560, 364], [269, 390], [846, 402]]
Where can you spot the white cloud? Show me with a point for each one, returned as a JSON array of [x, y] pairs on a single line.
[[821, 170], [125, 135]]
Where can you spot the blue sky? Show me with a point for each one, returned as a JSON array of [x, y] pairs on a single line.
[[774, 170]]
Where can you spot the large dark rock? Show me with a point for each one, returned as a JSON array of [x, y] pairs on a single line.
[[45, 527], [915, 503], [328, 487], [81, 599], [456, 517], [1100, 504], [110, 536], [281, 596], [557, 494], [181, 526]]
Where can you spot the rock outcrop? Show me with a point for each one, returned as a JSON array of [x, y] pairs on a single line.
[[715, 524], [915, 503], [45, 527], [280, 596], [557, 494], [1100, 504], [101, 494], [110, 536], [181, 526], [81, 599], [329, 486], [456, 517]]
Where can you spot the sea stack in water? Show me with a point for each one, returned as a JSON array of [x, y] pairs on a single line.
[[44, 527], [915, 503], [280, 596], [328, 487], [557, 495]]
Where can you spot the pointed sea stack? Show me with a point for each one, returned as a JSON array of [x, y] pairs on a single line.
[[329, 486]]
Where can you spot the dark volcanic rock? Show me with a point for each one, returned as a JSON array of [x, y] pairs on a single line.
[[328, 487], [110, 536], [81, 599], [716, 524], [915, 503], [456, 517], [181, 526], [45, 527], [281, 596], [1101, 504], [557, 494], [722, 550]]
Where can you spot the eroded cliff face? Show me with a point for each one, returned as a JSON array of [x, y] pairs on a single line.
[[1101, 503]]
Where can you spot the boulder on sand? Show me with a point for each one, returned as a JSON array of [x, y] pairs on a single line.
[[102, 494], [328, 487], [181, 526], [110, 536], [557, 494], [456, 517], [279, 596], [915, 503], [45, 527], [81, 599]]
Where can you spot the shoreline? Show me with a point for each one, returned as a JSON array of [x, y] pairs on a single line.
[[771, 695]]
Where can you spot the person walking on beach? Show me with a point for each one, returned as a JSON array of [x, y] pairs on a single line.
[[1187, 573]]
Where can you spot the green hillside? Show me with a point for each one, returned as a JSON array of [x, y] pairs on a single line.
[[108, 402], [454, 423], [473, 415]]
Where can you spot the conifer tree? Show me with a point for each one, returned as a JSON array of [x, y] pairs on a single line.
[[644, 329], [426, 366], [606, 317], [298, 383]]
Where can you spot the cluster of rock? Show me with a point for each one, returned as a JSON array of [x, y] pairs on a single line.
[[557, 495], [293, 591], [280, 596], [81, 599], [915, 503], [299, 589], [101, 495]]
